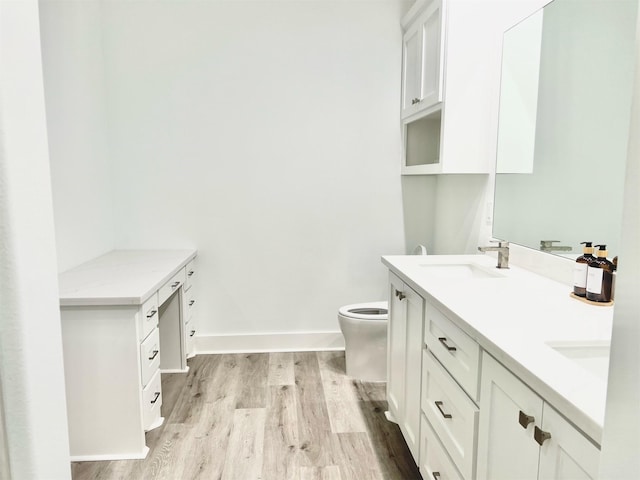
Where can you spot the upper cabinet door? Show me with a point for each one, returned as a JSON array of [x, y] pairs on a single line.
[[432, 72], [422, 67], [412, 70]]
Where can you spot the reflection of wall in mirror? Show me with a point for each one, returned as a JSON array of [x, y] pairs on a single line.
[[519, 96], [575, 192]]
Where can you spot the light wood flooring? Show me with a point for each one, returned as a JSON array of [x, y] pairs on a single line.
[[270, 416]]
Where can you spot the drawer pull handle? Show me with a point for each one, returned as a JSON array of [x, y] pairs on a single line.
[[439, 407], [525, 420], [436, 475], [191, 272], [540, 435], [155, 398], [175, 285], [400, 295], [193, 332], [443, 341], [151, 313], [191, 303], [155, 354]]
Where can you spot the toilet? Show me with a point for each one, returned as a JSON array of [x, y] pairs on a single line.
[[364, 327]]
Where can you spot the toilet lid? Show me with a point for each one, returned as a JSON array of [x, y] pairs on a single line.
[[366, 311]]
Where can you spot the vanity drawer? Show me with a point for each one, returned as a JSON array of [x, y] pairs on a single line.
[[151, 402], [149, 316], [453, 416], [456, 350], [190, 333], [171, 286], [190, 304], [150, 356], [190, 273], [434, 461]]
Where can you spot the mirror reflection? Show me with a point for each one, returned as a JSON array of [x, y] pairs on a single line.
[[564, 122]]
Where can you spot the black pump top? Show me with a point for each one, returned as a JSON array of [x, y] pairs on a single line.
[[601, 247], [586, 244]]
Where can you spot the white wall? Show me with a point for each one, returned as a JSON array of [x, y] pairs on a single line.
[[621, 435], [266, 135], [31, 366], [76, 118]]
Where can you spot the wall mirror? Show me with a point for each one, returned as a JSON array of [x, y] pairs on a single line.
[[565, 101]]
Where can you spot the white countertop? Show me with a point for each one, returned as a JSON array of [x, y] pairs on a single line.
[[120, 277], [514, 316]]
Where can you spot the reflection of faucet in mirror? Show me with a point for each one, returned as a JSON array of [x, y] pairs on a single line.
[[548, 246], [503, 253]]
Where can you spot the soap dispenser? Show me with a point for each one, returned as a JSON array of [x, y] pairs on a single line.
[[600, 277], [580, 270]]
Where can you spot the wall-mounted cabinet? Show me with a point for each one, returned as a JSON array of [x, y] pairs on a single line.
[[450, 79], [422, 55]]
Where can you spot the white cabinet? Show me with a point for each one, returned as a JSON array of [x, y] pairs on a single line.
[[123, 322], [521, 436], [451, 74], [450, 370], [189, 308], [406, 316], [421, 63]]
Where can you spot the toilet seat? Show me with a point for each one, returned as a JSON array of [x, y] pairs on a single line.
[[365, 311]]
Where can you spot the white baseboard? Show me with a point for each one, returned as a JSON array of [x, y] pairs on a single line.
[[269, 342]]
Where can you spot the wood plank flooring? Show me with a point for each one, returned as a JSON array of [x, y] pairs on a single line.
[[270, 416]]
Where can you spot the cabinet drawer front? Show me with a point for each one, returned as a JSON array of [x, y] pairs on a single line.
[[453, 416], [149, 316], [190, 271], [190, 333], [434, 461], [150, 356], [456, 350], [190, 304], [151, 402], [171, 286]]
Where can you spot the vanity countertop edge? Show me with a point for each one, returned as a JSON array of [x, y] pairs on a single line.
[[514, 316]]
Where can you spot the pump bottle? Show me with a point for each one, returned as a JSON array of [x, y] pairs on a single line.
[[600, 277], [580, 270]]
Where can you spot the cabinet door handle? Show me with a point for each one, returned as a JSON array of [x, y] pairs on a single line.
[[190, 273], [525, 420], [151, 313], [439, 407], [191, 303], [443, 341], [400, 295], [175, 285], [155, 354], [193, 332], [540, 435], [155, 398], [436, 475]]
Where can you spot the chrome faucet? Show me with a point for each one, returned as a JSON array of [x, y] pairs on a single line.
[[503, 253], [548, 246]]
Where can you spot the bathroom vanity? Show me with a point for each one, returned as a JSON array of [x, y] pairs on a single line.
[[126, 317], [494, 373]]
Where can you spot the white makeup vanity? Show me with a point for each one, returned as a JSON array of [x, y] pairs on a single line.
[[126, 317]]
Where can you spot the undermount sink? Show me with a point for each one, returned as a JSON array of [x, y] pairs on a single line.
[[593, 357], [459, 270]]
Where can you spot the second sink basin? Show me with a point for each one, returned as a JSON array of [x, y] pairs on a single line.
[[459, 271], [593, 357]]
